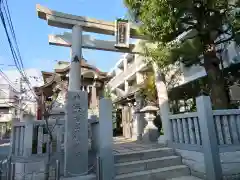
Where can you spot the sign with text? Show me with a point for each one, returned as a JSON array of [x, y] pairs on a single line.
[[122, 33]]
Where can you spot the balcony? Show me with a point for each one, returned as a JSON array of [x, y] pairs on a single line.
[[6, 102], [119, 79], [5, 117]]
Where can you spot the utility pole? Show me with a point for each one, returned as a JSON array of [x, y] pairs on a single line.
[[20, 103]]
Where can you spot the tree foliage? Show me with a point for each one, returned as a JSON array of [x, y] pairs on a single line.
[[148, 89], [190, 31]]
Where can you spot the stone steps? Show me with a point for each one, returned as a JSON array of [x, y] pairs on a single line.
[[153, 164], [143, 155], [185, 178], [86, 177], [129, 167], [156, 174]]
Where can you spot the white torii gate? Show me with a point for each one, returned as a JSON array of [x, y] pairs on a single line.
[[78, 24], [77, 163]]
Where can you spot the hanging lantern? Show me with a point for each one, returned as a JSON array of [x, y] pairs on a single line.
[[122, 33]]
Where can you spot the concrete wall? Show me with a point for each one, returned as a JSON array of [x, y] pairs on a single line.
[[194, 160], [32, 170], [230, 162]]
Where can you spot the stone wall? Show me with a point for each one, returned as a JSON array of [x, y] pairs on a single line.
[[230, 162], [34, 170], [194, 160]]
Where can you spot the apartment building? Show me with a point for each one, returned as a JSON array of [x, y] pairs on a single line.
[[13, 88], [131, 70]]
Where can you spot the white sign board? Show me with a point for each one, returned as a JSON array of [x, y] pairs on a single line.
[[122, 33]]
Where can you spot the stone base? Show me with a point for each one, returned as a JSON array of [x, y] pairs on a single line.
[[150, 135], [162, 140]]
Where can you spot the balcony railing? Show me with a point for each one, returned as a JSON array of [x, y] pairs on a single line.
[[6, 102], [131, 70]]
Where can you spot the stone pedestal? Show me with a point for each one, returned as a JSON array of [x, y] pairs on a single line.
[[150, 133], [76, 134]]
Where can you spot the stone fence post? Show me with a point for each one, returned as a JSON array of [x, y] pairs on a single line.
[[106, 139], [13, 137], [28, 136], [139, 120], [209, 138], [95, 133]]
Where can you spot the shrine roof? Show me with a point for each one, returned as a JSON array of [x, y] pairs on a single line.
[[62, 68], [84, 64]]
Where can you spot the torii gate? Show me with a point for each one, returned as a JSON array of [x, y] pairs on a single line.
[[76, 154], [78, 24]]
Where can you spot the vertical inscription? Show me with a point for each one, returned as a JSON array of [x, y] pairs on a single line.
[[76, 142], [122, 33], [78, 110]]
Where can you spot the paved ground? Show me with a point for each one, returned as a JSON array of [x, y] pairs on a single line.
[[122, 145]]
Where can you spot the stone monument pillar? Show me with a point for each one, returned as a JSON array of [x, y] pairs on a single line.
[[76, 124]]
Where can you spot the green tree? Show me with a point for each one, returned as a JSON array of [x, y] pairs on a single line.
[[206, 23], [148, 90]]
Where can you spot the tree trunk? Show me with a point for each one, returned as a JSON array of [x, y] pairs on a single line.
[[218, 92], [162, 99]]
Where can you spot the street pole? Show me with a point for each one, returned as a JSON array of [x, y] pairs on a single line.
[[20, 113]]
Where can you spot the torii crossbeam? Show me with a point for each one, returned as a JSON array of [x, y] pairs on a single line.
[[89, 42], [63, 20]]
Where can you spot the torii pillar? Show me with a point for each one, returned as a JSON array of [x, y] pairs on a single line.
[[76, 124], [76, 56]]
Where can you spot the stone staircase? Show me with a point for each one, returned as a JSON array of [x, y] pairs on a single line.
[[153, 164]]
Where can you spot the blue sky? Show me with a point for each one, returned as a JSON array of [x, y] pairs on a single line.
[[32, 32]]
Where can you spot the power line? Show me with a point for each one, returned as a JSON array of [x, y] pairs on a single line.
[[7, 79], [16, 54]]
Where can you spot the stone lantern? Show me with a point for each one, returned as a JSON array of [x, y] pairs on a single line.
[[150, 133]]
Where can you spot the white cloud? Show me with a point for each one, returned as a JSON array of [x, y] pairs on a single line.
[[42, 64]]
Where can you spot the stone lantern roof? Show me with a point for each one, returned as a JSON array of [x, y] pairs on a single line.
[[149, 109]]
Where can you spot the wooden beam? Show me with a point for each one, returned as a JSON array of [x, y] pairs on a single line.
[[63, 20], [89, 43]]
